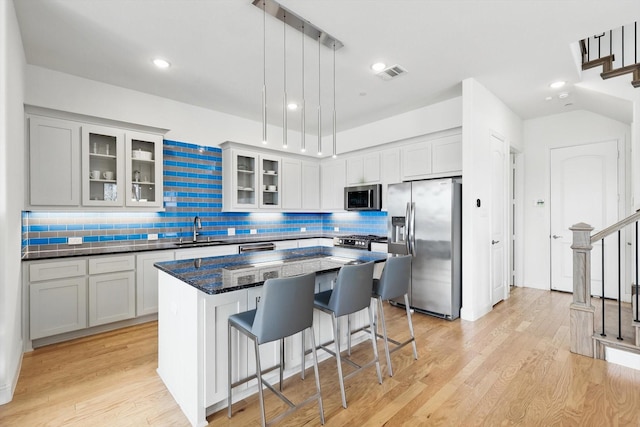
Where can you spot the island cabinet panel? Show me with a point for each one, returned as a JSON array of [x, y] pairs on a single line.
[[218, 308]]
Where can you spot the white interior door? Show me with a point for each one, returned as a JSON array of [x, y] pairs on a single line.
[[499, 244], [584, 188]]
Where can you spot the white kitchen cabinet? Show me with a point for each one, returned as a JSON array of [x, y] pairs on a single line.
[[292, 184], [390, 171], [333, 181], [432, 158], [143, 159], [363, 169], [57, 306], [307, 243], [102, 166], [112, 289], [111, 297], [446, 155], [54, 162], [310, 186], [147, 280], [207, 251], [218, 308], [270, 182], [416, 160]]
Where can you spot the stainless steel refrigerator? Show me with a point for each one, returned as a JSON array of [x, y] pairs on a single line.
[[425, 220]]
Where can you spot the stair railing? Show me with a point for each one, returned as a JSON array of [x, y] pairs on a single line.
[[620, 43], [582, 312]]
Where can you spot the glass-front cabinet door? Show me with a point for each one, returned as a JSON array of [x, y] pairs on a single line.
[[245, 192], [102, 166], [270, 174], [143, 153]]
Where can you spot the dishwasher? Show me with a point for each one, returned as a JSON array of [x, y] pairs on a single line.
[[257, 247]]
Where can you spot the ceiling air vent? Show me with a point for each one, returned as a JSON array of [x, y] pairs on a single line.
[[392, 72]]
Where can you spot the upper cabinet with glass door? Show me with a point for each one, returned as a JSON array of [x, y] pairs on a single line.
[[102, 166], [143, 153], [270, 182]]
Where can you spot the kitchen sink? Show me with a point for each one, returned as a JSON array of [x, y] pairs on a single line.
[[199, 243]]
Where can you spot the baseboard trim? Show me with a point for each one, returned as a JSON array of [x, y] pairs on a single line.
[[7, 390], [473, 315]]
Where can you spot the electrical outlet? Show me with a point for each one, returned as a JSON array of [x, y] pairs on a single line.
[[253, 231], [336, 228], [153, 236], [303, 229], [74, 241], [231, 231]]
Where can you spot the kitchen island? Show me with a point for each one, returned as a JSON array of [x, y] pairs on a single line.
[[197, 296]]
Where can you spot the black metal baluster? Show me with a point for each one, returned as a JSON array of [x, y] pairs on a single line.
[[610, 42], [623, 45], [635, 42], [619, 290], [589, 49], [602, 299]]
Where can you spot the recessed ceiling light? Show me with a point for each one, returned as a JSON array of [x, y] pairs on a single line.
[[563, 95], [161, 63], [548, 98], [292, 106], [557, 85], [378, 66]]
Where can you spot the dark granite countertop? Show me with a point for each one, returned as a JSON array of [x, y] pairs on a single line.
[[157, 246], [221, 274]]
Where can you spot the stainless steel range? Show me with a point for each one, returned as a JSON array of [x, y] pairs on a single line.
[[357, 241]]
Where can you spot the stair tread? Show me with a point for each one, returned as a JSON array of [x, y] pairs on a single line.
[[597, 62], [612, 341], [620, 71]]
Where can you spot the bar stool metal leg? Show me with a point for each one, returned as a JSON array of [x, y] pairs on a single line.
[[373, 343], [259, 377], [384, 336], [315, 370], [413, 338], [229, 369], [336, 332]]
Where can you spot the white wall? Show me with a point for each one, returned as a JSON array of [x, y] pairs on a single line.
[[422, 121], [540, 136], [482, 114], [12, 63]]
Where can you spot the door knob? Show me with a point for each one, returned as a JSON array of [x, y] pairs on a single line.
[[493, 242], [555, 236]]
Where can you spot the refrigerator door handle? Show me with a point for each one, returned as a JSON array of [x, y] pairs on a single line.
[[407, 225], [413, 229]]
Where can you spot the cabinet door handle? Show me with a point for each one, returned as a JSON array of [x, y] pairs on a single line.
[[493, 242], [555, 236]]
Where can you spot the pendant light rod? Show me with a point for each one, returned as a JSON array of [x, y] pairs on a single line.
[[319, 104], [284, 63], [264, 73], [335, 145], [274, 8], [303, 146]]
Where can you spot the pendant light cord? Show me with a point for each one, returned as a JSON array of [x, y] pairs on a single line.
[[264, 73], [303, 146], [335, 154], [284, 63], [319, 104]]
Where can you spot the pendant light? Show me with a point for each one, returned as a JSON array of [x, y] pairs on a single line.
[[334, 101], [264, 73], [319, 105], [284, 73], [303, 146]]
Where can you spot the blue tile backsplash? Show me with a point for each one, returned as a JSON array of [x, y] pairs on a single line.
[[192, 186]]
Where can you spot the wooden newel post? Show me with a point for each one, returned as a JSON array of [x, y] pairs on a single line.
[[581, 311]]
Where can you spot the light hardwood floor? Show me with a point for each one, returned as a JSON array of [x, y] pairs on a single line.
[[512, 366]]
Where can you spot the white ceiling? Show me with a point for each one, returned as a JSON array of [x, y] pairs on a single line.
[[515, 48]]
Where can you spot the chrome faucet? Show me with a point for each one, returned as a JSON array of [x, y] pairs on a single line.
[[197, 225]]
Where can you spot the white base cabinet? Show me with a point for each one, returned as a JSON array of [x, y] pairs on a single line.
[[111, 297], [147, 280], [57, 306]]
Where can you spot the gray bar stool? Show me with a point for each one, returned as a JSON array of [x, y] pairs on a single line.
[[285, 308], [351, 293], [394, 283]]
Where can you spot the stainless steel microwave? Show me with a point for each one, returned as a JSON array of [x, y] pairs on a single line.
[[363, 198]]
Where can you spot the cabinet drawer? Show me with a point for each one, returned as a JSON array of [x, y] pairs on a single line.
[[57, 270], [99, 265]]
